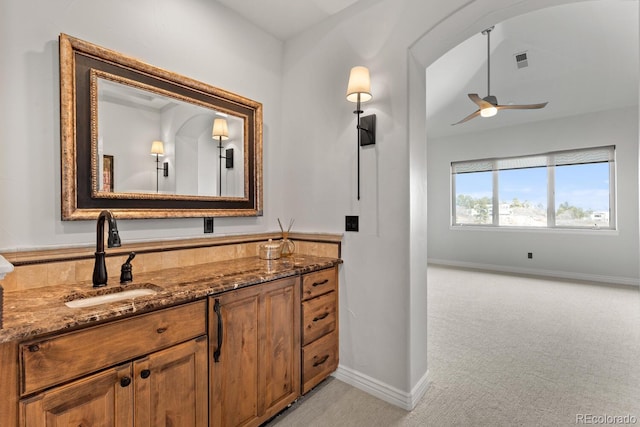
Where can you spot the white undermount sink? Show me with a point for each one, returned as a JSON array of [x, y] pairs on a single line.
[[107, 298]]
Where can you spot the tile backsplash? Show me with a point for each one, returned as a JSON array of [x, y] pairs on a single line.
[[55, 267]]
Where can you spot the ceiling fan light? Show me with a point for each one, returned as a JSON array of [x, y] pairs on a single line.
[[488, 111]]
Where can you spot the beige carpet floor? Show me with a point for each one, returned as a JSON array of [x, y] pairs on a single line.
[[508, 350]]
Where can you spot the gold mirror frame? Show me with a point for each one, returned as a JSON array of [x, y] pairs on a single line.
[[80, 62]]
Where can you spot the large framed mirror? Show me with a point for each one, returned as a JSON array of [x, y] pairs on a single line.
[[145, 142]]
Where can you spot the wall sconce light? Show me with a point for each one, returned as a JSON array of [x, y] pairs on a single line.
[[157, 149], [221, 131], [358, 91]]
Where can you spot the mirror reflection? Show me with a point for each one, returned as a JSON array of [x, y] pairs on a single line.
[[150, 142]]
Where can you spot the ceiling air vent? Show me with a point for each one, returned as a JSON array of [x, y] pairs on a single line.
[[521, 60]]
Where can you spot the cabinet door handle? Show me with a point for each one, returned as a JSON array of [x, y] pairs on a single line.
[[218, 311], [125, 381], [320, 283], [321, 361], [322, 316], [145, 373], [161, 330], [34, 347]]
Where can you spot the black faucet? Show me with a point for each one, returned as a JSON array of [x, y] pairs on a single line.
[[113, 241]]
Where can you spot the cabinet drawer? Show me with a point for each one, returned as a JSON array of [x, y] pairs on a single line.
[[318, 317], [54, 360], [318, 283], [319, 359]]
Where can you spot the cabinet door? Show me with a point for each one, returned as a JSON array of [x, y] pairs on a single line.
[[280, 351], [171, 386], [233, 337], [101, 400], [254, 343]]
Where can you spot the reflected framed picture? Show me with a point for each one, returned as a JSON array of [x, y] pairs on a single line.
[[107, 173]]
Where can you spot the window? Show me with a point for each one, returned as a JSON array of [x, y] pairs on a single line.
[[473, 200], [563, 189]]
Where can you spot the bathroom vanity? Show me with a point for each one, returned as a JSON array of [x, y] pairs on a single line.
[[226, 343]]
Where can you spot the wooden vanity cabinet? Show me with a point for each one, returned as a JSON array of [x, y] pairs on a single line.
[[233, 359], [161, 380], [254, 339], [319, 308]]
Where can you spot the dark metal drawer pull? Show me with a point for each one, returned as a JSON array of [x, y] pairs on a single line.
[[161, 330], [34, 347], [321, 361], [322, 316], [320, 283]]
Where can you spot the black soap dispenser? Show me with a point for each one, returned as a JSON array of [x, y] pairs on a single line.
[[126, 275]]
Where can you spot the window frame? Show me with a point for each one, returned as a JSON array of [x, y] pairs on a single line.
[[598, 155]]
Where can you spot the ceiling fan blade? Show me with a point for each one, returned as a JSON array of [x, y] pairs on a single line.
[[479, 101], [522, 107], [469, 117], [475, 98]]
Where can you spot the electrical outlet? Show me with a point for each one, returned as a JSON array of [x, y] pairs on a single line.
[[351, 223], [208, 225], [530, 255]]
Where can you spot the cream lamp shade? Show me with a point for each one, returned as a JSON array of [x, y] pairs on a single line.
[[359, 83], [157, 147], [220, 129]]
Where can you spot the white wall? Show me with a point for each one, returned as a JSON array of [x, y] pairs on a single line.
[[596, 255], [374, 313], [187, 37]]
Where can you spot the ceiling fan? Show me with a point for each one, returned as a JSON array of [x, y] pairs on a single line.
[[488, 106]]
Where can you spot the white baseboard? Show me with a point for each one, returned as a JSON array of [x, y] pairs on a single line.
[[628, 281], [419, 390], [383, 391]]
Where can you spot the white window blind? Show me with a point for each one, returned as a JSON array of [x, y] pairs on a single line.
[[558, 158]]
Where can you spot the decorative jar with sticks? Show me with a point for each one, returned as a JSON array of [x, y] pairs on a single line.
[[288, 246]]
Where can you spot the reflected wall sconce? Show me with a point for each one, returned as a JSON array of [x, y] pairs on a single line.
[[221, 131], [157, 149], [358, 91]]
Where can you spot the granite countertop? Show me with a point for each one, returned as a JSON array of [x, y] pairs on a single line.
[[33, 312]]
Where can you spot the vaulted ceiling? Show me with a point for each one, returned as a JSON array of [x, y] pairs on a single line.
[[582, 57]]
